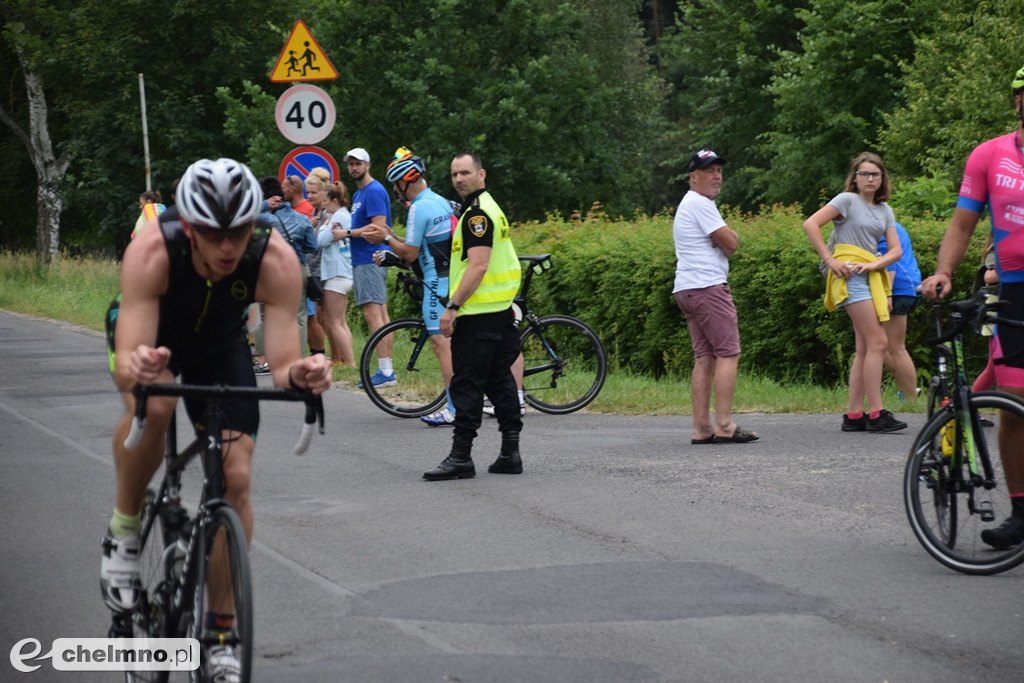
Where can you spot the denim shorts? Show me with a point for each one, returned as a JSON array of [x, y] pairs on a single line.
[[857, 289]]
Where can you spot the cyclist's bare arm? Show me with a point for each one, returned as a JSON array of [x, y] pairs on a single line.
[[144, 279], [279, 288], [374, 231], [951, 252], [407, 252]]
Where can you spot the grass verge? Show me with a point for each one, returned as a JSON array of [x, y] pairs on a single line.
[[78, 290]]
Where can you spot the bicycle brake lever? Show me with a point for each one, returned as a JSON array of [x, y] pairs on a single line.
[[314, 414], [138, 423]]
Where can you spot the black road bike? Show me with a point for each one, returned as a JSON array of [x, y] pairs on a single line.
[[181, 557], [565, 361], [954, 486]]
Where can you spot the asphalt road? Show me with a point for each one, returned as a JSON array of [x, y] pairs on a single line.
[[622, 553]]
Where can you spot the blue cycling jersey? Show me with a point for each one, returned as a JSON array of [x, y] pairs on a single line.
[[429, 227]]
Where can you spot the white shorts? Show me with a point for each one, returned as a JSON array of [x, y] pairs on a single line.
[[341, 285]]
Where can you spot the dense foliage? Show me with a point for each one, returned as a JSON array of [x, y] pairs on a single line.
[[617, 276]]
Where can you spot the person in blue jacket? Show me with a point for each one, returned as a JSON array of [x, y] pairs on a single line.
[[905, 277]]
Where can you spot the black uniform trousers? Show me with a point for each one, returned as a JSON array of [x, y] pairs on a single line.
[[484, 346]]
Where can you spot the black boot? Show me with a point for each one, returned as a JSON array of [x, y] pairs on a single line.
[[458, 465], [508, 461]]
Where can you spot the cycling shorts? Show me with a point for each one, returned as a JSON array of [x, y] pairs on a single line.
[[228, 361], [433, 306], [1011, 339]]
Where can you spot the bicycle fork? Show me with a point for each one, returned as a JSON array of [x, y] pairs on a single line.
[[970, 450]]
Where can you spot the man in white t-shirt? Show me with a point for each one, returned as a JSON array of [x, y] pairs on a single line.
[[704, 244]]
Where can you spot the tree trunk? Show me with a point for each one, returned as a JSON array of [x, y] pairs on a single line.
[[50, 169]]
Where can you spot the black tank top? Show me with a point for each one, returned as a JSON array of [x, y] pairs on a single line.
[[197, 315]]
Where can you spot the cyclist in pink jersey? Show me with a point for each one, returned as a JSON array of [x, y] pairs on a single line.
[[994, 179]]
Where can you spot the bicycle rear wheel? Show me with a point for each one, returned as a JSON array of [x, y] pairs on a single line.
[[565, 364], [947, 509], [419, 389], [224, 587]]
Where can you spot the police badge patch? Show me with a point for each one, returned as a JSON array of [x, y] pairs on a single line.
[[478, 225]]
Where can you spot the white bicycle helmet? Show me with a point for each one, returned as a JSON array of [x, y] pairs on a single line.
[[219, 194]]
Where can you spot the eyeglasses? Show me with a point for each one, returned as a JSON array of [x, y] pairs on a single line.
[[234, 235], [870, 175]]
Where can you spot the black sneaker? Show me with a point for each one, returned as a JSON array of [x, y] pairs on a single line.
[[858, 425], [1006, 535], [885, 422]]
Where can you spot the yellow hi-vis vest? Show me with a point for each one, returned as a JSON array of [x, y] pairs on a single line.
[[501, 281]]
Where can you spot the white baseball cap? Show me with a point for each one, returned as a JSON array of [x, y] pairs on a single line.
[[359, 154]]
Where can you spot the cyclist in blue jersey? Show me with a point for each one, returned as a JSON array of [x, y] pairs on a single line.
[[427, 245]]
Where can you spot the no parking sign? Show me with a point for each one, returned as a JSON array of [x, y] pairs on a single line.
[[301, 160]]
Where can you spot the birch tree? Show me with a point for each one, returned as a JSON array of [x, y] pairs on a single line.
[[50, 168]]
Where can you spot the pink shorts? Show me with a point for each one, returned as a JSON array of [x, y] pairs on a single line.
[[711, 315]]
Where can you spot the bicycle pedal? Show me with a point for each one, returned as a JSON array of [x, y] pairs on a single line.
[[985, 512], [120, 626]]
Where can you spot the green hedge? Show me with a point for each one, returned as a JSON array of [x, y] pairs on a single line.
[[617, 276]]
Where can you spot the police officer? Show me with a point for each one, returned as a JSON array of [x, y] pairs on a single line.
[[484, 278]]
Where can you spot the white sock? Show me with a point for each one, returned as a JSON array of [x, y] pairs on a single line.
[[521, 400], [385, 366]]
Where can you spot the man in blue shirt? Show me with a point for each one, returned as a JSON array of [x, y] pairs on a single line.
[[371, 219]]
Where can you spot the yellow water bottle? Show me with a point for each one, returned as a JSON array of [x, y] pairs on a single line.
[[948, 432]]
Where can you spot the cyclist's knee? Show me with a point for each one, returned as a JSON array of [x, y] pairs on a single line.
[[237, 468]]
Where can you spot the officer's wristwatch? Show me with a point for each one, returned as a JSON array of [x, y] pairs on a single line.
[[452, 305]]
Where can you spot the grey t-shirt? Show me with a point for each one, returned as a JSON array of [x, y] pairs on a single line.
[[860, 223]]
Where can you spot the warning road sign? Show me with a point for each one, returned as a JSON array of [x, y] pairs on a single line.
[[302, 59]]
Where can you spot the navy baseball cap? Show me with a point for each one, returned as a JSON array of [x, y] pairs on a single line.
[[703, 159]]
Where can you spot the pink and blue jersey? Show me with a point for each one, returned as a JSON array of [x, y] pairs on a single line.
[[994, 178]]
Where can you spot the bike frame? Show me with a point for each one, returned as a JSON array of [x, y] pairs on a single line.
[[210, 444]]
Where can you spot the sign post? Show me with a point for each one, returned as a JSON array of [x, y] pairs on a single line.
[[305, 114]]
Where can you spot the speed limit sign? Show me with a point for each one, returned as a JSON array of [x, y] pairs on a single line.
[[305, 114]]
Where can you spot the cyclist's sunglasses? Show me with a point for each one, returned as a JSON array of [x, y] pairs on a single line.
[[234, 235]]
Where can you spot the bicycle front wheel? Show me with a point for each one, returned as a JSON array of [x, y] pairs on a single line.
[[565, 364], [949, 509], [149, 620], [419, 385], [223, 588]]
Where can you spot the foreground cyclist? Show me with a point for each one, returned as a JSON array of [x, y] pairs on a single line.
[[427, 245], [186, 284], [994, 177]]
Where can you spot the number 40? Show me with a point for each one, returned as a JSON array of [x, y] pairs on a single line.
[[316, 114]]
